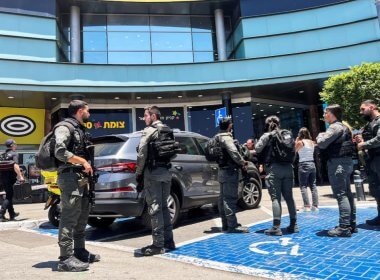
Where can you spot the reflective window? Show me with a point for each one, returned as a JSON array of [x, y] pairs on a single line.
[[203, 56], [201, 24], [128, 41], [171, 57], [187, 146], [170, 23], [243, 127], [95, 57], [202, 42], [94, 41], [171, 42], [201, 119], [94, 23], [145, 39], [129, 58], [127, 23]]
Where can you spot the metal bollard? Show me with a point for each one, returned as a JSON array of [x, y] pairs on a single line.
[[359, 186]]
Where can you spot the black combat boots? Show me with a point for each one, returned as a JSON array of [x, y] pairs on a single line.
[[71, 264], [85, 256]]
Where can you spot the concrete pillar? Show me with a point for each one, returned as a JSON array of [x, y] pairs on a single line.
[[186, 118], [220, 34], [75, 35], [314, 121]]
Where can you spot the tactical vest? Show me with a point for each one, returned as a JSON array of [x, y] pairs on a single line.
[[369, 132], [226, 159], [342, 146], [79, 140]]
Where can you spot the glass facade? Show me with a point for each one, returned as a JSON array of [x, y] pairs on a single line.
[[145, 39], [258, 7], [291, 118]]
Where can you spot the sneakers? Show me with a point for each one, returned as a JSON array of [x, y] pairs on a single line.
[[275, 230], [373, 222], [306, 209], [293, 229], [238, 229], [3, 219], [13, 216], [152, 250], [169, 246], [340, 232], [72, 264], [85, 256], [314, 209]]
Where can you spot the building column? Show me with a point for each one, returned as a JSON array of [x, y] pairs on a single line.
[[220, 35], [75, 35], [314, 121]]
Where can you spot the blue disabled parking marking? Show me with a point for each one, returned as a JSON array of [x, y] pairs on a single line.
[[310, 254]]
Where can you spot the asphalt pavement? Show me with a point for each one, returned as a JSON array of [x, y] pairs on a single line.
[[29, 247]]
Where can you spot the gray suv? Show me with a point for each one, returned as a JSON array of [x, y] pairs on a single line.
[[194, 179]]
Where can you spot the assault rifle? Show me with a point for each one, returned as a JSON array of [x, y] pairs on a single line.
[[92, 179]]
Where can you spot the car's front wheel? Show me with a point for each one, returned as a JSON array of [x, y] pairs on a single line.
[[174, 211], [251, 195], [100, 222]]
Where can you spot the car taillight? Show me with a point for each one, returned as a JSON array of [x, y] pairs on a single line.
[[129, 167]]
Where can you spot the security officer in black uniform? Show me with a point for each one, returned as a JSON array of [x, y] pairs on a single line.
[[279, 179], [338, 148], [229, 178], [8, 179], [156, 179], [369, 141], [73, 156]]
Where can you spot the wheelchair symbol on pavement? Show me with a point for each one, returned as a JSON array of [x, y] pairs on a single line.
[[283, 242]]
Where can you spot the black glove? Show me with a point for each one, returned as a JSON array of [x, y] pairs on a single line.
[[139, 187], [139, 178]]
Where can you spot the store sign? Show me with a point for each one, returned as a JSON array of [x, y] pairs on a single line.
[[173, 117], [24, 125], [106, 122]]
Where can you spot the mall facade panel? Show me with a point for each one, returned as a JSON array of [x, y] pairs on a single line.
[[254, 57]]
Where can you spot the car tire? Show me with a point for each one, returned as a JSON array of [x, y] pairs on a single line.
[[251, 194], [100, 222], [54, 214], [174, 209]]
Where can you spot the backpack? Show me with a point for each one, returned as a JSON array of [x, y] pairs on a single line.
[[283, 146], [45, 159], [164, 147], [213, 150], [6, 164]]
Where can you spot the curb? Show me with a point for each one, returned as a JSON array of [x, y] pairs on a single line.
[[22, 224]]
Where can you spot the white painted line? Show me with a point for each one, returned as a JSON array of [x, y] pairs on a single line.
[[231, 267]]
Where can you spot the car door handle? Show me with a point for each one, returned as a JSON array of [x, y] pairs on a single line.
[[214, 168], [179, 168]]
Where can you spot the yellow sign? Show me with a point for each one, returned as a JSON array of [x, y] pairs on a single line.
[[24, 125]]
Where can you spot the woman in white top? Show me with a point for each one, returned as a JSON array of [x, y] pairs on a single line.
[[306, 169]]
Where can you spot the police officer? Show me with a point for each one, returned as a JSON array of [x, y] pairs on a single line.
[[279, 179], [229, 178], [72, 154], [337, 145], [8, 179], [371, 143], [157, 179]]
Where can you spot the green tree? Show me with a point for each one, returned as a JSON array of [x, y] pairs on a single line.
[[350, 88]]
